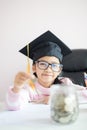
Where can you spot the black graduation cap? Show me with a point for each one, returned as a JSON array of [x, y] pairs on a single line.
[[46, 44]]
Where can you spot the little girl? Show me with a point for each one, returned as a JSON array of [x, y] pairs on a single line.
[[47, 52]]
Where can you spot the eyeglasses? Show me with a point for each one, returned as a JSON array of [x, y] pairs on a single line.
[[43, 65]]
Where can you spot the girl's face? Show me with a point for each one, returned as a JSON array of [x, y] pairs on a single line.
[[47, 69]]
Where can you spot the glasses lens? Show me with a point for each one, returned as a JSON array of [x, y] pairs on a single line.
[[42, 65], [56, 67]]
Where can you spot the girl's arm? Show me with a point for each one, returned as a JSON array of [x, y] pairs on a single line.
[[17, 96], [16, 101]]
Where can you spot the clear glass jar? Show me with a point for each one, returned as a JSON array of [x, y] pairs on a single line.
[[64, 103]]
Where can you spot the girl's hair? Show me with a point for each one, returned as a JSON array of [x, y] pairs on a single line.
[[57, 81]]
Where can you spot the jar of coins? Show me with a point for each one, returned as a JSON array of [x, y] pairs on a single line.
[[64, 103]]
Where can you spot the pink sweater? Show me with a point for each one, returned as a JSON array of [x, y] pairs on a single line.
[[16, 101]]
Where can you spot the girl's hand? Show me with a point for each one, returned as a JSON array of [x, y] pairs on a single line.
[[20, 79]]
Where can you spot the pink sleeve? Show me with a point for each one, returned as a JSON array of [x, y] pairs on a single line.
[[15, 101], [66, 81], [81, 90]]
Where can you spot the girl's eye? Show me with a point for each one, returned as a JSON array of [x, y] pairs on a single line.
[[41, 63], [54, 65]]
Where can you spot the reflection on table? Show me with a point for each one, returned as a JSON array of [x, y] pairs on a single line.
[[37, 116]]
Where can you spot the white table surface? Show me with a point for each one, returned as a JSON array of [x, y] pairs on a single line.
[[38, 117]]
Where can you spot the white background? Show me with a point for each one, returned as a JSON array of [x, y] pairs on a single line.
[[23, 20]]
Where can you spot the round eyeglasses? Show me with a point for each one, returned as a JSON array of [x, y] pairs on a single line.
[[43, 65]]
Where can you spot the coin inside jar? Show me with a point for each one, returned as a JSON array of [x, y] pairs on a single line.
[[64, 104]]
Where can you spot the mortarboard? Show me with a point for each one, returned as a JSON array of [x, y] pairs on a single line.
[[46, 44]]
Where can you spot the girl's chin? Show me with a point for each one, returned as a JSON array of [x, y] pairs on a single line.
[[47, 77], [47, 80]]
